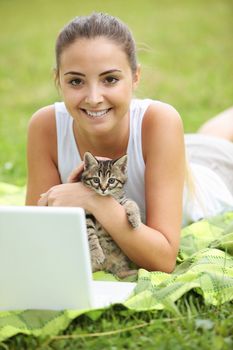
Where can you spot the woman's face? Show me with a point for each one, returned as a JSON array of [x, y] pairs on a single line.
[[96, 83]]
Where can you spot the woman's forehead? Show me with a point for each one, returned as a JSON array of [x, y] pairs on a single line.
[[96, 51]]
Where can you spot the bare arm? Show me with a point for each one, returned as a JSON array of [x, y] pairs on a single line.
[[41, 154]]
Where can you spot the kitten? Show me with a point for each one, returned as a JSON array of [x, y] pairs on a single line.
[[107, 177]]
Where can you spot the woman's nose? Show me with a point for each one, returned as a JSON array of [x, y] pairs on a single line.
[[94, 95]]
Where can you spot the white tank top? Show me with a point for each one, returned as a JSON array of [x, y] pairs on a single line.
[[212, 197]]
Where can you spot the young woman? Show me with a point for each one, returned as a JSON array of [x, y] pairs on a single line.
[[97, 73]]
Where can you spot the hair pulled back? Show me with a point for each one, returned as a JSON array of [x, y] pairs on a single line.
[[97, 25]]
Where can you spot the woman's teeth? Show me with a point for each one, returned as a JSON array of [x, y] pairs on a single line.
[[97, 114]]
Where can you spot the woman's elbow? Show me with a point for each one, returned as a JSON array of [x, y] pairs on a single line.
[[170, 261], [170, 266], [166, 264]]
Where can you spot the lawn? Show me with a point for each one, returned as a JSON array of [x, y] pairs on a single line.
[[185, 49]]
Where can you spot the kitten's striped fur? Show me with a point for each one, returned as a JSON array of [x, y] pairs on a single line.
[[107, 177]]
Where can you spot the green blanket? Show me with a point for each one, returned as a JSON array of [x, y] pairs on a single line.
[[204, 265]]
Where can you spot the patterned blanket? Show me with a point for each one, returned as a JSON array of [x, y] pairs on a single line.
[[204, 265]]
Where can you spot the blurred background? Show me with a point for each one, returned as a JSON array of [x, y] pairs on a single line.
[[184, 46]]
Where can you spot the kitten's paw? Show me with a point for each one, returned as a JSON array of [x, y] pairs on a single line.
[[127, 273], [134, 221], [133, 213], [97, 259]]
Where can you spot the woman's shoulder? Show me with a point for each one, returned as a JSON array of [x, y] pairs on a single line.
[[43, 119], [162, 112], [161, 117], [155, 110], [42, 133], [42, 127], [162, 126]]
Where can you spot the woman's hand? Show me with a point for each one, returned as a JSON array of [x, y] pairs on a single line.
[[75, 175], [68, 195], [71, 194]]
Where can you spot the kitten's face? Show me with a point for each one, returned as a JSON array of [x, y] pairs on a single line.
[[106, 177]]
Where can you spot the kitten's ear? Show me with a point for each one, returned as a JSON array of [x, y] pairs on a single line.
[[122, 163], [89, 160]]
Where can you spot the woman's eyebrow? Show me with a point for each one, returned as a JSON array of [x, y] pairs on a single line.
[[75, 73], [110, 71], [104, 73]]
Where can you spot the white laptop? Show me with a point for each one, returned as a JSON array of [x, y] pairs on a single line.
[[45, 262]]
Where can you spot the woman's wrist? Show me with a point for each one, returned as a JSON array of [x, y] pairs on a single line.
[[98, 204]]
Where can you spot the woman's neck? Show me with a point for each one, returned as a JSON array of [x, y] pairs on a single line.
[[111, 145]]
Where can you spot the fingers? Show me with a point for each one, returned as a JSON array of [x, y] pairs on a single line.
[[103, 158], [49, 198], [43, 201], [75, 175]]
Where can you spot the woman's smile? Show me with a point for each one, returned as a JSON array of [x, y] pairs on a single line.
[[96, 113]]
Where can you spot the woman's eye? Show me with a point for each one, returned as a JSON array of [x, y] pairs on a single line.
[[111, 80], [76, 82]]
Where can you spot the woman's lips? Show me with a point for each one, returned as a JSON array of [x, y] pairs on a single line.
[[96, 114]]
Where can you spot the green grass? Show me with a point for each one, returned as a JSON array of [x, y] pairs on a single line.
[[197, 327], [185, 48]]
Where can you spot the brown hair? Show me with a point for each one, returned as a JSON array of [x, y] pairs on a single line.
[[97, 25]]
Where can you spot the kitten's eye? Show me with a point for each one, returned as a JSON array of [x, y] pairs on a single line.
[[96, 180], [111, 180]]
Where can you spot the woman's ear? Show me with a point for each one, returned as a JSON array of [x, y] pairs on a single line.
[[56, 78], [136, 76]]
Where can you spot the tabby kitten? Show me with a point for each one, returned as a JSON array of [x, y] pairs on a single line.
[[107, 177]]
